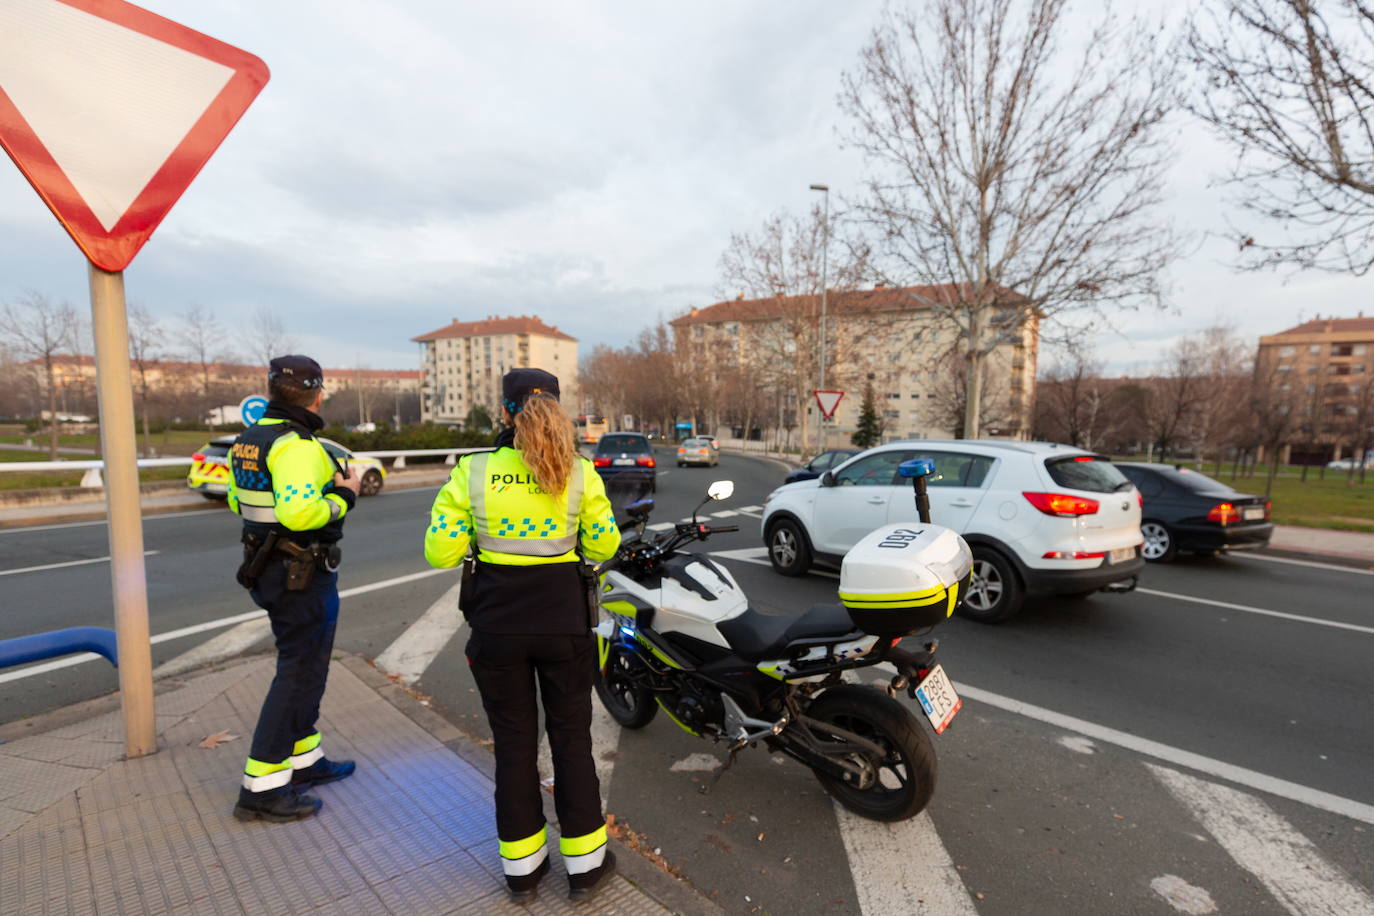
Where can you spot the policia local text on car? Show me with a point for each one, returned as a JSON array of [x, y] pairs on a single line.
[[533, 508], [293, 498]]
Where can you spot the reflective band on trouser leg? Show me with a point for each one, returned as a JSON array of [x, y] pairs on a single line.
[[581, 854], [306, 751], [260, 777], [522, 857]]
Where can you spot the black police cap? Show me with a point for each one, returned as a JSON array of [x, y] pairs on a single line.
[[294, 371], [519, 384]]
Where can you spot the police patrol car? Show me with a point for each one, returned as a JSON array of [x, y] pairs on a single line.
[[209, 474]]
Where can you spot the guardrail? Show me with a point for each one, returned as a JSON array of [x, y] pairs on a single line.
[[93, 467], [20, 650]]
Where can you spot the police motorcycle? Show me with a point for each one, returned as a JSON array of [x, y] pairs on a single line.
[[676, 633]]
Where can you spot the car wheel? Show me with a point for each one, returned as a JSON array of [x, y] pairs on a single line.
[[787, 548], [1160, 545], [372, 484], [994, 592]]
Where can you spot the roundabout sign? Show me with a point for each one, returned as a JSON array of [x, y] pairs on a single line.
[[252, 408]]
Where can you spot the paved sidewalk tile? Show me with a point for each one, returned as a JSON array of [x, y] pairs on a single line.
[[412, 832]]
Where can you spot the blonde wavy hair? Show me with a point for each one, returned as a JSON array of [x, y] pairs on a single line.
[[546, 440]]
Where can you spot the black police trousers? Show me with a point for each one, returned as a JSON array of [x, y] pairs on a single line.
[[303, 624], [506, 668]]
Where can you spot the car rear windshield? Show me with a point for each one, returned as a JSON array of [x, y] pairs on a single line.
[[695, 443], [623, 444], [1086, 472], [1198, 483]]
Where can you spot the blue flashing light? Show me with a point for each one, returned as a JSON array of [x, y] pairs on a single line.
[[628, 631]]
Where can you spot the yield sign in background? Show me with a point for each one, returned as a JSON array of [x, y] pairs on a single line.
[[110, 111], [828, 401]]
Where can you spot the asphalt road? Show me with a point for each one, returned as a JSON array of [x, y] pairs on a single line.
[[1112, 756]]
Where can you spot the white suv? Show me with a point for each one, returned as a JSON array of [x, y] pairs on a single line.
[[1040, 518]]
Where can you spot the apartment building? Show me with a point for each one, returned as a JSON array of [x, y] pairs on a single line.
[[887, 337], [462, 363], [1327, 364]]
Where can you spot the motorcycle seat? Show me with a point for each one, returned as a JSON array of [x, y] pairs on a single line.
[[757, 636]]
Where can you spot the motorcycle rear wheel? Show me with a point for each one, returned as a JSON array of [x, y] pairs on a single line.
[[630, 705], [905, 775]]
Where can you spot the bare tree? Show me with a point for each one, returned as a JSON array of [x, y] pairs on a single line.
[[779, 268], [1274, 412], [1021, 183], [267, 337], [145, 349], [1072, 400], [951, 388], [40, 331], [1290, 83], [1176, 395], [202, 340]]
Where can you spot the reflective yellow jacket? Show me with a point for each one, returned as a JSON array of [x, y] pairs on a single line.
[[493, 498], [292, 493]]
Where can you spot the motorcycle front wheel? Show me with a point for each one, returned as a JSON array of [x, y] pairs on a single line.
[[628, 703], [902, 780]]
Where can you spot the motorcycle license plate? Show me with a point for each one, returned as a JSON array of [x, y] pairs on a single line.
[[938, 699], [1121, 555], [1254, 514], [621, 462]]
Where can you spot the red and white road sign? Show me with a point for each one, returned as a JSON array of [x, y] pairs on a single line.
[[828, 401], [111, 111]]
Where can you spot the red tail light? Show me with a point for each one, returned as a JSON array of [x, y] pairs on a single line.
[[1140, 498], [645, 461], [1073, 555], [197, 457], [1268, 508], [1224, 513], [1062, 504], [601, 461]]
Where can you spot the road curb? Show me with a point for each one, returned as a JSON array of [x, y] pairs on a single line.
[[739, 453], [671, 893]]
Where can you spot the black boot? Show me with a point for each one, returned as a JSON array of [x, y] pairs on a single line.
[[587, 885], [277, 805], [322, 771], [525, 888]]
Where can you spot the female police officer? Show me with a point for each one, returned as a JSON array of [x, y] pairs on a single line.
[[533, 508]]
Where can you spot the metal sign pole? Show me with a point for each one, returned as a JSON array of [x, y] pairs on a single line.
[[115, 386]]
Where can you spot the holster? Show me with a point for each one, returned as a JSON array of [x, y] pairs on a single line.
[[300, 564], [256, 552], [591, 593], [467, 583]]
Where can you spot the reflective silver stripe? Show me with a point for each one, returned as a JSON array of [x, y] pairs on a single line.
[[516, 868], [270, 781], [335, 507], [528, 547], [258, 514], [477, 491], [578, 865], [301, 761]]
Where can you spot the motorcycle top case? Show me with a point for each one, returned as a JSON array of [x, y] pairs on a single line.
[[904, 578]]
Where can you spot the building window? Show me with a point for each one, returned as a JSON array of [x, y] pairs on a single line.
[[1287, 351], [891, 414], [893, 395], [914, 395], [1358, 349], [1285, 367], [1314, 349], [1342, 350]]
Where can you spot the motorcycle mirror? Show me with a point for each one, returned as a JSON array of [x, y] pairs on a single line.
[[721, 489]]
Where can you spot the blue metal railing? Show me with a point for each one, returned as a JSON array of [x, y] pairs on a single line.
[[24, 649]]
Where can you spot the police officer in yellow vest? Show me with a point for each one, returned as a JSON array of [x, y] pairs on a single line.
[[534, 509], [293, 498]]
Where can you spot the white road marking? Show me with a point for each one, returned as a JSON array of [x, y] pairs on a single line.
[[68, 563], [208, 510], [1260, 611], [659, 526], [1291, 562], [415, 649], [749, 513], [696, 763], [219, 624], [1274, 786], [1183, 896], [745, 554], [901, 868], [231, 642], [725, 513], [1268, 847], [1078, 744], [750, 508]]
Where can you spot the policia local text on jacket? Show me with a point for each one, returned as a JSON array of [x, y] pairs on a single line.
[[282, 484], [527, 608]]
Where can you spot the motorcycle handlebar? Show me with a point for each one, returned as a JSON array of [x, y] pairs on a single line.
[[722, 529]]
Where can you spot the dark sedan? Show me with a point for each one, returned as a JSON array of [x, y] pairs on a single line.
[[1186, 510], [821, 463], [626, 463]]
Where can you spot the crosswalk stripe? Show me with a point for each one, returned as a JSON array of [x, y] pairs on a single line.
[[233, 641], [1268, 847], [901, 868], [416, 648]]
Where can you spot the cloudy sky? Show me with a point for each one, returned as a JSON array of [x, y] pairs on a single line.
[[416, 162]]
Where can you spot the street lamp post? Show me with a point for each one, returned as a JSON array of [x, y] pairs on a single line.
[[825, 258]]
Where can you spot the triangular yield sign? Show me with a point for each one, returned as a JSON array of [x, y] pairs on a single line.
[[828, 401], [111, 111]]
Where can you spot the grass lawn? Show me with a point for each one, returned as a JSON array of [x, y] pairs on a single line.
[[175, 443], [1317, 503], [26, 480]]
